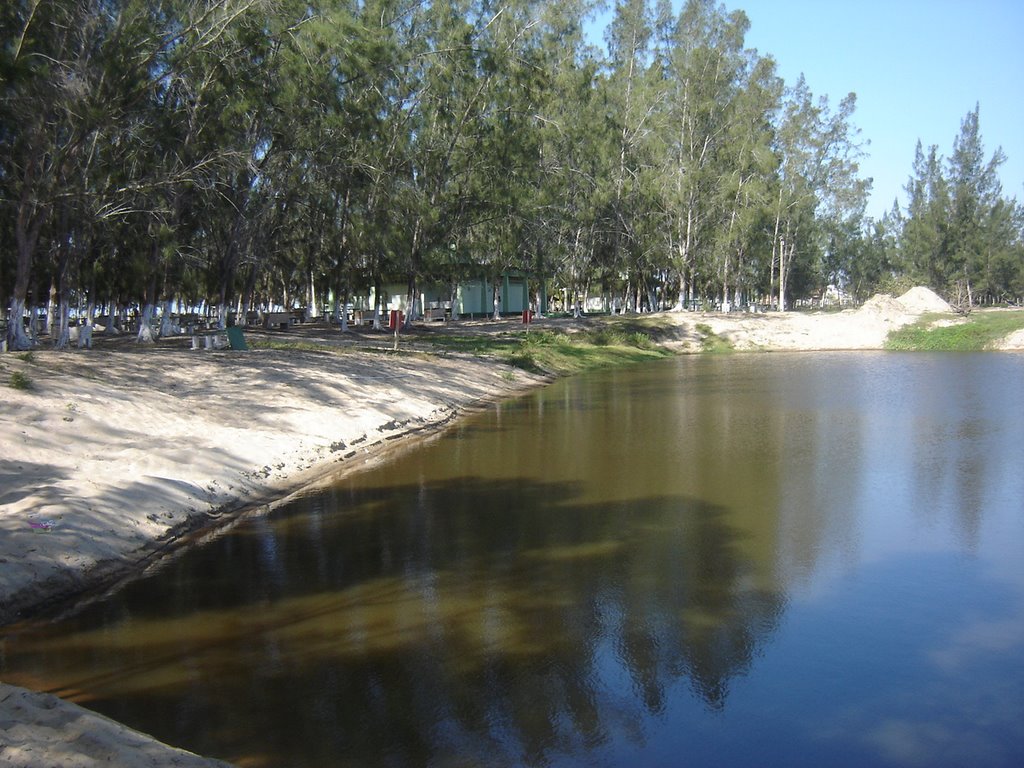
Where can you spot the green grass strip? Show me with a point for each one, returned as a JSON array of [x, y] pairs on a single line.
[[977, 332]]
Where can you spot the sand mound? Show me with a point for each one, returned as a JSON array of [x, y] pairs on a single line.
[[916, 301], [920, 300], [882, 304]]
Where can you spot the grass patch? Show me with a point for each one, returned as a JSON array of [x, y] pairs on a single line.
[[711, 343], [473, 344], [641, 340], [606, 336], [980, 331], [291, 345], [555, 353], [20, 381], [582, 355]]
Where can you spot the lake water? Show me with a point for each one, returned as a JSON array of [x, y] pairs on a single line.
[[771, 560]]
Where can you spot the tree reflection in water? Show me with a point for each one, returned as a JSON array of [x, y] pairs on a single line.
[[467, 620]]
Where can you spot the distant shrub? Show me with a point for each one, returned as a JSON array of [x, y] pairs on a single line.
[[523, 359], [607, 337], [20, 381], [711, 342], [641, 340]]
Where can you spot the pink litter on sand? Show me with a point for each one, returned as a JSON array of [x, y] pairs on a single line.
[[42, 525]]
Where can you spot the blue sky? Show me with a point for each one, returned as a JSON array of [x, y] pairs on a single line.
[[917, 67]]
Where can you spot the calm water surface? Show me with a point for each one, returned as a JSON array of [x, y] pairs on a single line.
[[754, 560]]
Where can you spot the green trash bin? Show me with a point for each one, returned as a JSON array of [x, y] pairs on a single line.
[[235, 338]]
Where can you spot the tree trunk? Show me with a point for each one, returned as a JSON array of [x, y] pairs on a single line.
[[85, 331], [222, 315], [250, 292], [312, 304], [145, 334], [26, 235], [51, 310], [377, 304], [782, 274], [410, 311], [33, 325], [343, 314], [165, 320], [62, 331], [17, 339]]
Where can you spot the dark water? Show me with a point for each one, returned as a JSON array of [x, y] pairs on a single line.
[[755, 560]]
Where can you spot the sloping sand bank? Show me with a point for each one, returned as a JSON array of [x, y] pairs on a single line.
[[863, 328], [38, 730], [112, 455]]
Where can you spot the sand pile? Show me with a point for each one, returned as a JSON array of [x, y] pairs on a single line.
[[920, 300], [916, 301], [882, 305]]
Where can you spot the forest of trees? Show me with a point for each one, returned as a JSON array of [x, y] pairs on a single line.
[[237, 154]]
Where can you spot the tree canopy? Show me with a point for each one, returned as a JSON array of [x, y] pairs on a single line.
[[251, 153]]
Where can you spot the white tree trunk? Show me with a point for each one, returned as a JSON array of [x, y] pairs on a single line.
[[33, 325], [782, 275], [51, 311], [377, 311], [341, 310], [85, 331], [110, 324], [62, 331], [17, 339], [165, 320], [313, 311], [145, 334]]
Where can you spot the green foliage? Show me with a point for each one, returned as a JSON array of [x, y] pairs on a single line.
[[980, 331], [895, 285], [524, 359], [268, 151], [958, 228], [19, 381], [606, 336], [641, 340], [711, 343]]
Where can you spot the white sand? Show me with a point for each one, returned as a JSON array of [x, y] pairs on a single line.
[[113, 455], [38, 731], [864, 328]]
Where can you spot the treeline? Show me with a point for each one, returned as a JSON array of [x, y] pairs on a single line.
[[247, 153], [959, 234]]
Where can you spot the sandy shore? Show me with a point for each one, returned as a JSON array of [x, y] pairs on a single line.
[[38, 731], [115, 456]]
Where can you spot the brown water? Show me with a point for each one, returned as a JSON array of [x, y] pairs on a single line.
[[752, 560]]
